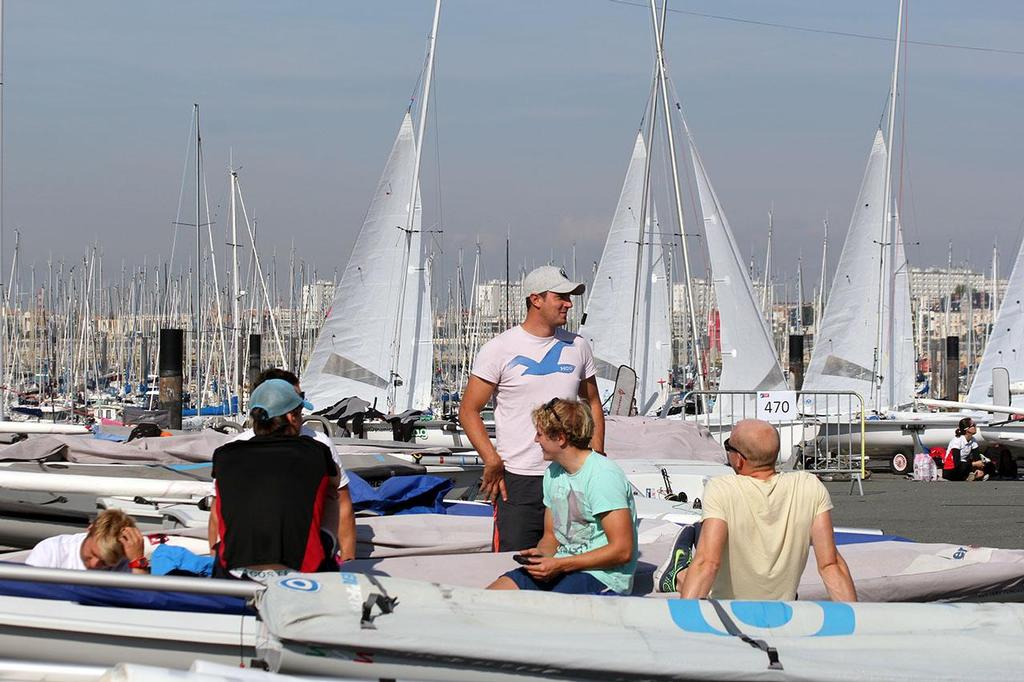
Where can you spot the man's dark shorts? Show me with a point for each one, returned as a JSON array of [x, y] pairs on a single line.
[[519, 522], [576, 582]]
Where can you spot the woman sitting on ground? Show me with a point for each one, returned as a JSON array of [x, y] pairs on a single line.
[[110, 543], [963, 461], [589, 544]]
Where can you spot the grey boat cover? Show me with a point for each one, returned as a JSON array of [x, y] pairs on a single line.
[[186, 448], [660, 439], [316, 623]]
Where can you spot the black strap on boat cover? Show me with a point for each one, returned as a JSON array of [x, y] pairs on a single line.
[[732, 629]]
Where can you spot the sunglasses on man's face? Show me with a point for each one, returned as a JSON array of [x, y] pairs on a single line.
[[729, 448]]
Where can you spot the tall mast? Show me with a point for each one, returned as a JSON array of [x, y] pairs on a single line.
[[800, 294], [3, 322], [676, 194], [889, 224], [652, 107], [396, 342], [994, 298], [236, 373], [198, 386], [820, 308], [765, 297]]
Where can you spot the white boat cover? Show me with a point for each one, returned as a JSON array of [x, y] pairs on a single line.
[[883, 570], [1004, 347], [422, 534], [353, 354], [619, 292], [660, 439], [316, 624]]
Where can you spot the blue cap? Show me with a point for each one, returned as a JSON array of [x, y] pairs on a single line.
[[277, 397]]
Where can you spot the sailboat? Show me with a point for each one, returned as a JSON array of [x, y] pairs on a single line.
[[377, 341], [627, 320]]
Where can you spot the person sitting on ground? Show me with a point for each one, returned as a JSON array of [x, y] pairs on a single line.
[[963, 461], [272, 492], [589, 544], [340, 522], [110, 543], [756, 527]]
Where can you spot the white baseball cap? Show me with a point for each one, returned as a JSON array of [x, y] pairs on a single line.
[[550, 278]]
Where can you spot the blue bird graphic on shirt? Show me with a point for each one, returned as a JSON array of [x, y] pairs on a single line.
[[548, 364]]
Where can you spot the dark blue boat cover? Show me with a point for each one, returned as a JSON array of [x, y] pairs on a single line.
[[124, 598], [418, 494]]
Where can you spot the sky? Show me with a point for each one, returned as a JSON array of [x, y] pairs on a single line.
[[535, 107]]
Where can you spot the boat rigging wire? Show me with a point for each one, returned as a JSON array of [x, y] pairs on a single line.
[[808, 29]]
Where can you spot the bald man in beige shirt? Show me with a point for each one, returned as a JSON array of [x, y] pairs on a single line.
[[758, 526]]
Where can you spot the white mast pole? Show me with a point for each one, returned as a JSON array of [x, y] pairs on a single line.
[[396, 342], [889, 225], [765, 298], [824, 281], [3, 321], [678, 197], [236, 372]]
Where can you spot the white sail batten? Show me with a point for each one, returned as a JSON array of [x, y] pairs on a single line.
[[844, 350], [749, 361], [352, 355], [608, 324], [1004, 347]]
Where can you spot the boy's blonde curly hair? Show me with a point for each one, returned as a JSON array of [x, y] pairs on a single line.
[[569, 418]]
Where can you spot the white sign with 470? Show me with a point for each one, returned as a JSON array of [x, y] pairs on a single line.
[[777, 406]]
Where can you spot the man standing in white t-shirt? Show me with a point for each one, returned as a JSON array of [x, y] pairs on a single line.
[[522, 368]]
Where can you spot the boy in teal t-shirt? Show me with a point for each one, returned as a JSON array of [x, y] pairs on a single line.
[[590, 541]]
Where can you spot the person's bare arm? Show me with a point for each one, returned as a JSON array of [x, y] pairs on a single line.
[[548, 544], [589, 393], [700, 576], [346, 526], [474, 398], [212, 526], [831, 565], [617, 525]]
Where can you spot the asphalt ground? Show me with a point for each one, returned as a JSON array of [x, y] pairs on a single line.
[[989, 513]]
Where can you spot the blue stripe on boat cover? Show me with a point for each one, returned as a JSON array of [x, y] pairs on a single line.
[[858, 538], [190, 467], [466, 509], [133, 599]]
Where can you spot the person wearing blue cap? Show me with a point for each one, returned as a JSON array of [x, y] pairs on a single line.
[[272, 493], [342, 524]]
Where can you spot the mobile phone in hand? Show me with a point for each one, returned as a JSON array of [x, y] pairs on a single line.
[[522, 559]]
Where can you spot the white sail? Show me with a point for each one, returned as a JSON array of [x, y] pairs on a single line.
[[609, 324], [749, 361], [353, 352], [844, 358], [1005, 346]]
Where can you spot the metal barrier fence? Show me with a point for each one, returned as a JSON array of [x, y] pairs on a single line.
[[820, 431]]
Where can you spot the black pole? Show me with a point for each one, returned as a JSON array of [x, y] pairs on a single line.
[[255, 358], [144, 360], [952, 383], [796, 361], [172, 343]]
